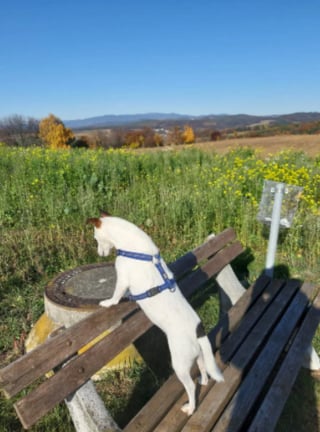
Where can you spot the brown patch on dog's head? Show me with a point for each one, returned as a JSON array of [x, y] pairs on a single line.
[[104, 213], [94, 221]]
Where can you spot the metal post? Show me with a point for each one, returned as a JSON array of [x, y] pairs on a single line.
[[274, 230]]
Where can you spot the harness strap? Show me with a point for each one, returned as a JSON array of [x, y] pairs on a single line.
[[156, 259], [136, 255]]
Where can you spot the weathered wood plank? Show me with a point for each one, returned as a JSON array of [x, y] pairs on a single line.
[[175, 418], [30, 367], [219, 396], [232, 375], [53, 352], [214, 244], [188, 261], [37, 403], [230, 320], [234, 416], [158, 406], [210, 268], [274, 401], [171, 391], [277, 292]]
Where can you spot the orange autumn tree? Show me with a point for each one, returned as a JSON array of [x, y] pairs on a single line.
[[54, 133], [188, 135]]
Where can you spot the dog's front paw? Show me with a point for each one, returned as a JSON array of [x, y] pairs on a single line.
[[107, 303]]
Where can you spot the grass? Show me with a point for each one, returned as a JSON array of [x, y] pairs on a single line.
[[269, 145], [177, 196]]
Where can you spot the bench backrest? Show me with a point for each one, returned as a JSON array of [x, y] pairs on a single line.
[[192, 271]]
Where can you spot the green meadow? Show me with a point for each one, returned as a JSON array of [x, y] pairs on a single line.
[[178, 196]]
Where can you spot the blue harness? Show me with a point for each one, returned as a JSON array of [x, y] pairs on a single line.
[[156, 259]]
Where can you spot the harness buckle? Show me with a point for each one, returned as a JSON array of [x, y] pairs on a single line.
[[152, 291]]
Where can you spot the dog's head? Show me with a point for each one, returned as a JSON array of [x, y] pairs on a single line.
[[104, 244]]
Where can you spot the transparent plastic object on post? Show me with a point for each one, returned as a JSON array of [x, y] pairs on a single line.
[[290, 200]]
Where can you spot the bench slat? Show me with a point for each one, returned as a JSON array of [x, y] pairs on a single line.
[[158, 406], [221, 393], [236, 339], [54, 351], [230, 320], [172, 390], [52, 391], [235, 414], [232, 374], [191, 259], [214, 243], [200, 276], [274, 401]]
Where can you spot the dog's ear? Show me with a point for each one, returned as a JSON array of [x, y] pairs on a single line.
[[94, 221], [104, 213]]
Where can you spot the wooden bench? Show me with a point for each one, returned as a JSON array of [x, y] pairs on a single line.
[[259, 343]]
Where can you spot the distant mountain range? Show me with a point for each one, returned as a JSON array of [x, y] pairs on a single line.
[[122, 120], [214, 121]]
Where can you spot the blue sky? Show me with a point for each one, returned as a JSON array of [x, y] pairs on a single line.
[[79, 59]]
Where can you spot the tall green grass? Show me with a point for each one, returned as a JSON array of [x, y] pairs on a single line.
[[178, 197]]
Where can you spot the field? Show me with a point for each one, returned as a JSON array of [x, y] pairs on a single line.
[[178, 196], [310, 144]]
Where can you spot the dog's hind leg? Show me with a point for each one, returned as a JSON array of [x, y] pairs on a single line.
[[203, 378], [190, 388], [183, 373]]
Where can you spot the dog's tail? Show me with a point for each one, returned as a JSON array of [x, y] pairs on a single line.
[[209, 360]]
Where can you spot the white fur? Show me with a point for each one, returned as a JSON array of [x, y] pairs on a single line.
[[168, 310]]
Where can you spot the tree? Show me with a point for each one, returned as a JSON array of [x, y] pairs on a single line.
[[134, 139], [175, 136], [80, 142], [215, 135], [116, 138], [158, 140], [54, 133], [151, 138], [148, 137], [17, 130], [188, 135]]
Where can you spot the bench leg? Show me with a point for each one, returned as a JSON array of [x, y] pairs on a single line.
[[230, 288], [311, 359], [88, 411]]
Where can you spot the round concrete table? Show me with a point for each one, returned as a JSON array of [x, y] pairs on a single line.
[[71, 297]]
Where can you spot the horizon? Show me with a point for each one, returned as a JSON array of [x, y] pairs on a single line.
[[83, 60], [193, 115], [26, 117]]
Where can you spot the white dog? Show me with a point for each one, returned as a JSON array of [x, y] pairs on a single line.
[[140, 269]]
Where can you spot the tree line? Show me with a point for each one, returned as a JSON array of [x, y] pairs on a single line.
[[51, 132]]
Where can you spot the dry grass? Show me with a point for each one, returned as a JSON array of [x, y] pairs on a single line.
[[310, 144]]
